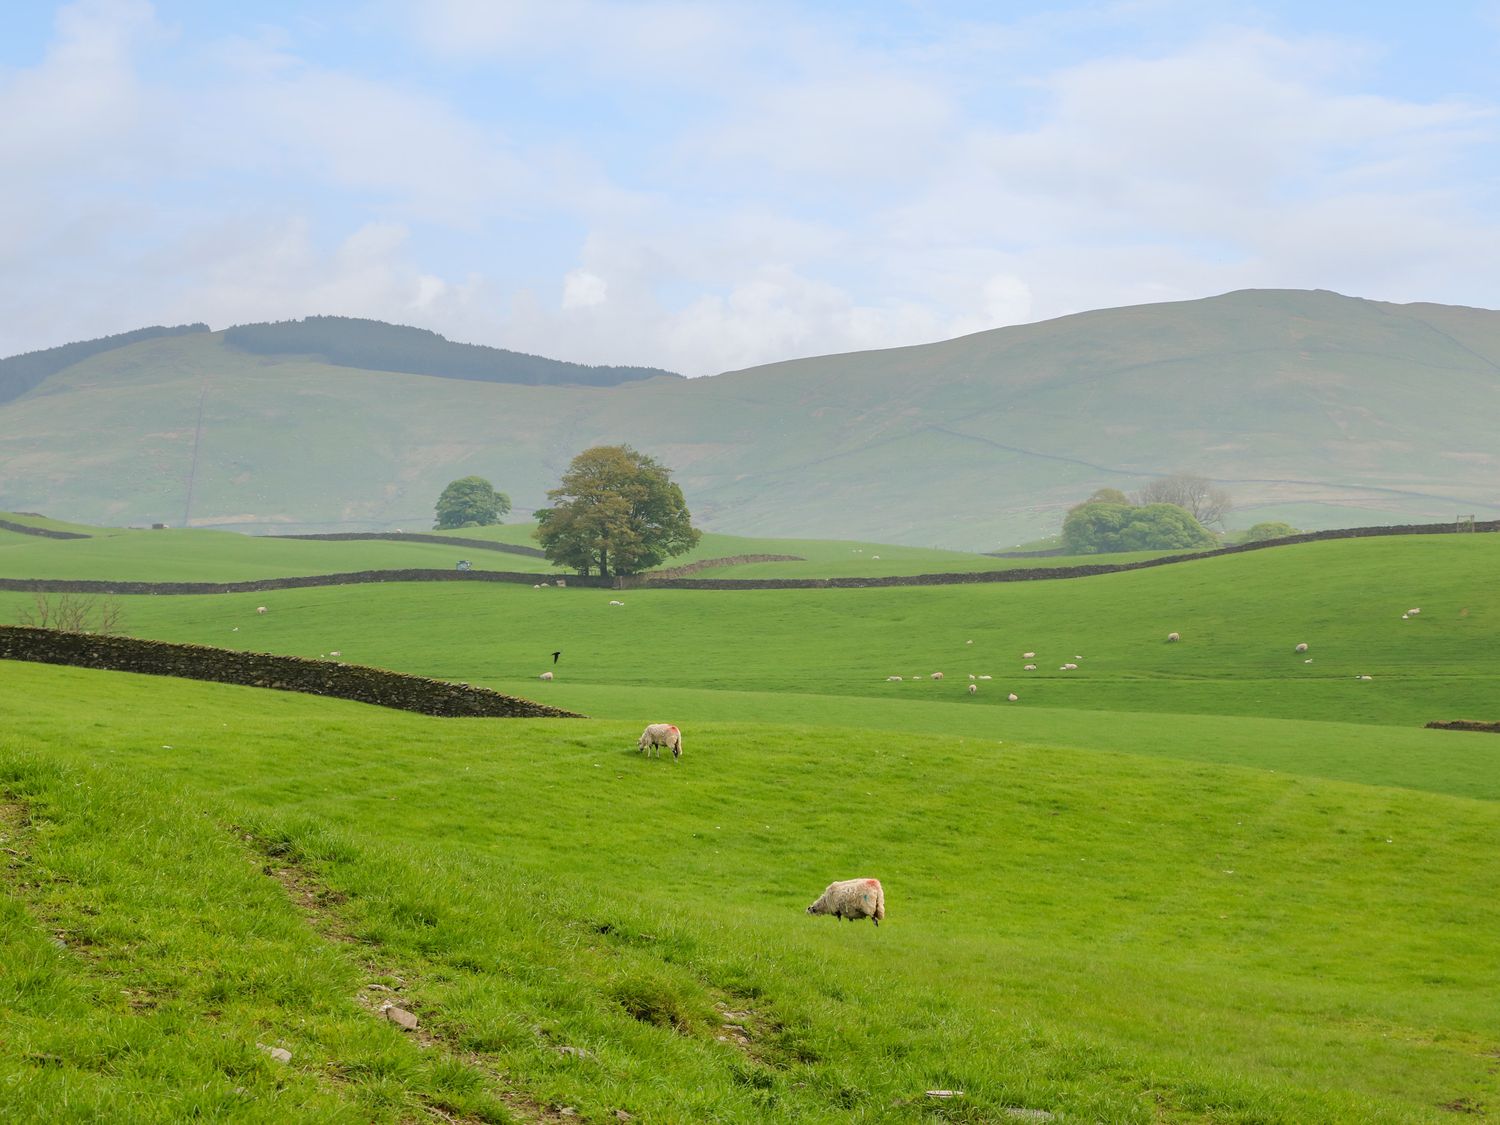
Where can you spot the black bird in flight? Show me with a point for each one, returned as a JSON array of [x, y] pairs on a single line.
[[555, 655]]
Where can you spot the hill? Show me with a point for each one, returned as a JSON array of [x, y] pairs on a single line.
[[1315, 408]]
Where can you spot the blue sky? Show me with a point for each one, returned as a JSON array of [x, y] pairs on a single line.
[[710, 186]]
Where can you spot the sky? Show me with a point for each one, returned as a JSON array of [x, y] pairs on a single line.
[[709, 186]]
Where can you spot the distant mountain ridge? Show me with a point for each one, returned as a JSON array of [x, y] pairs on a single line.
[[1307, 406], [377, 346]]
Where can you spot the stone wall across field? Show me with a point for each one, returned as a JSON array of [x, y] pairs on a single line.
[[264, 670], [261, 585], [418, 537], [44, 532], [1464, 724]]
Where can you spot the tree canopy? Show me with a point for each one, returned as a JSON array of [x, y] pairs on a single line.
[[1268, 529], [616, 511], [1205, 502], [470, 502], [1100, 527]]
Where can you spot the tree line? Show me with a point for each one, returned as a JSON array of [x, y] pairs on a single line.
[[346, 341], [1168, 513]]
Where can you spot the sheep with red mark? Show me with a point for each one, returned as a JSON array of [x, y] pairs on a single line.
[[657, 735], [852, 899]]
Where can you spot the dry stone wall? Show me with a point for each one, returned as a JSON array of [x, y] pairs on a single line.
[[264, 670], [417, 537]]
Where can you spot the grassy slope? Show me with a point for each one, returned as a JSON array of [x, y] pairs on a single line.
[[202, 555], [1326, 411], [1114, 915], [1105, 936], [1240, 618], [219, 556]]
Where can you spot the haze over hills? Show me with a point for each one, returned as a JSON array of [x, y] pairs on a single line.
[[1312, 407]]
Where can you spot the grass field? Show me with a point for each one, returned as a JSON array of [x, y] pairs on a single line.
[[1193, 882]]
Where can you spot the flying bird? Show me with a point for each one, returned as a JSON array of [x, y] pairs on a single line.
[[555, 655]]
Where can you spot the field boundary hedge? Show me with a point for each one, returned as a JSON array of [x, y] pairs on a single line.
[[1464, 724], [356, 682]]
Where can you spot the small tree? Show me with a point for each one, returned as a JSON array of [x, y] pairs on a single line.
[[72, 613], [470, 502], [1268, 529], [1198, 495], [616, 511]]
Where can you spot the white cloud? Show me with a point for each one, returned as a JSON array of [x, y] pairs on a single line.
[[582, 290]]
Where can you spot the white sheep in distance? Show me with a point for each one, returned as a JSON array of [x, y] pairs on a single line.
[[545, 676], [937, 675], [1013, 697], [613, 602], [1028, 668], [893, 679], [657, 735], [1302, 647], [1173, 637], [1413, 612], [973, 688], [852, 899], [1028, 656], [260, 609]]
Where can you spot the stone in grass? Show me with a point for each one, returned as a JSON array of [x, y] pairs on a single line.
[[400, 1017], [1020, 1114], [280, 1054], [945, 1093]]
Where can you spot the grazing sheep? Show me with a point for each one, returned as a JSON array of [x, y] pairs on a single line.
[[1413, 612], [613, 602], [973, 688], [1028, 656], [893, 679], [1308, 660], [937, 675], [260, 609], [852, 899], [1302, 647], [1013, 697], [545, 676], [986, 677], [1028, 668], [968, 642], [335, 652], [1173, 637], [657, 735], [1364, 677], [1068, 668]]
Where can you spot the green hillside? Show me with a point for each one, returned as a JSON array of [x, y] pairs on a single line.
[[1311, 407], [1197, 882]]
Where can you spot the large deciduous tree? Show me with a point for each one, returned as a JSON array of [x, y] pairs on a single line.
[[470, 502], [616, 511]]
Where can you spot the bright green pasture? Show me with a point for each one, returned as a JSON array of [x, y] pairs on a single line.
[[1240, 618], [1108, 937], [822, 558], [196, 555]]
